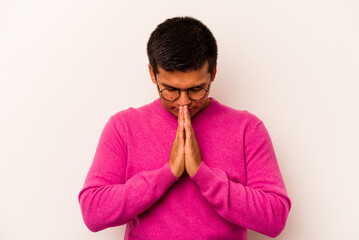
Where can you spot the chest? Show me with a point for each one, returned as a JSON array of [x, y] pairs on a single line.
[[149, 148]]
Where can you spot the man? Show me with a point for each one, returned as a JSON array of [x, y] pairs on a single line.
[[184, 166]]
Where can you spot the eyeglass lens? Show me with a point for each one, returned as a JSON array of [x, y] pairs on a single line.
[[173, 94]]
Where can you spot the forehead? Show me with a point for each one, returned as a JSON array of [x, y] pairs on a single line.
[[179, 79], [203, 70]]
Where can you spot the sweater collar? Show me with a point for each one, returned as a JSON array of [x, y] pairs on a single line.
[[166, 114]]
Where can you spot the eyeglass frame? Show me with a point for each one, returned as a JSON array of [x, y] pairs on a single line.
[[186, 90]]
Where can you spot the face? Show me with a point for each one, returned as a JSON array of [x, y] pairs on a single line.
[[183, 81]]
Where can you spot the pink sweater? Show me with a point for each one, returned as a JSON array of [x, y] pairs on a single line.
[[238, 184]]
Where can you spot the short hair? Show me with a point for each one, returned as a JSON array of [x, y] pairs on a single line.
[[182, 44]]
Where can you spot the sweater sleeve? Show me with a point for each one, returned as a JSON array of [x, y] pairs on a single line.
[[106, 199], [262, 204]]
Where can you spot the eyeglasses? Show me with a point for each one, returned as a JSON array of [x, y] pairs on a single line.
[[172, 94]]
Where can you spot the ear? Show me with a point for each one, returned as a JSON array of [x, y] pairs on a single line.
[[214, 72], [152, 74]]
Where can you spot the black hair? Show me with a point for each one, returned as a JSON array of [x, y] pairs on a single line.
[[182, 44]]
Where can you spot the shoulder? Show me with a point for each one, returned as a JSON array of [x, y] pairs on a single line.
[[248, 124], [131, 114], [235, 116]]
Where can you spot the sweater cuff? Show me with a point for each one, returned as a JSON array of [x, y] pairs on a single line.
[[167, 174], [204, 176]]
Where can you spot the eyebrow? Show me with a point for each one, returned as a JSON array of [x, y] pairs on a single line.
[[201, 85]]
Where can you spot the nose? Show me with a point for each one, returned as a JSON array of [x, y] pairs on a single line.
[[183, 99]]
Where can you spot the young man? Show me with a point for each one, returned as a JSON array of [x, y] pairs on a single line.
[[184, 166]]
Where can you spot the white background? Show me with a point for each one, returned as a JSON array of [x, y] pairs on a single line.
[[66, 66]]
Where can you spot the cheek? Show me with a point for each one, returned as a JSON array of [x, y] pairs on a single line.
[[171, 106], [200, 103], [167, 104]]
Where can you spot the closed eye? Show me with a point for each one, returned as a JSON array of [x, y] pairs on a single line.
[[172, 89], [196, 89]]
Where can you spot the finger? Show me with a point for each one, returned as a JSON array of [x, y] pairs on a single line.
[[180, 123], [187, 122], [183, 123], [187, 114], [189, 125], [179, 115], [188, 133]]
